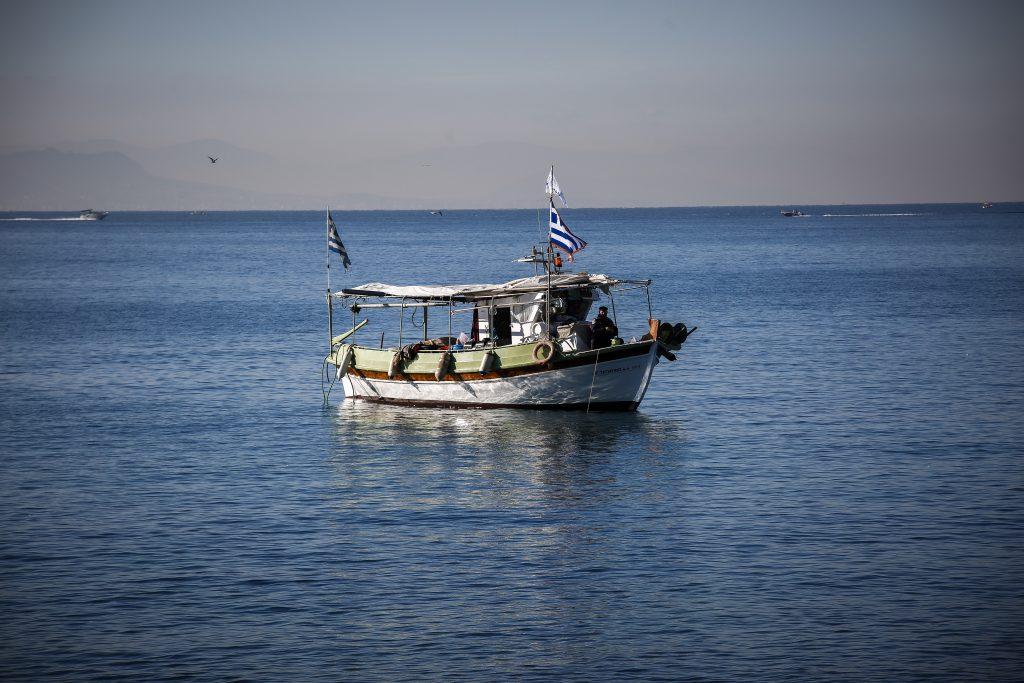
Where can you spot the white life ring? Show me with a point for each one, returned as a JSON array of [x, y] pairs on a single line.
[[544, 352], [534, 331]]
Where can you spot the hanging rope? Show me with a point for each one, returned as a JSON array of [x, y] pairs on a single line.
[[324, 379], [593, 378]]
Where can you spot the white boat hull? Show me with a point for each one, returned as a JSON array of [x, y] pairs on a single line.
[[615, 384]]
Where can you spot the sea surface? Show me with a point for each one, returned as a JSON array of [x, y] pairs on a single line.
[[827, 485]]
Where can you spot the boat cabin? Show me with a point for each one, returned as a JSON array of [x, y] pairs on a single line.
[[552, 307], [524, 317]]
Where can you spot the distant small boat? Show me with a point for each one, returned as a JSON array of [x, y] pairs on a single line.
[[792, 213], [986, 205], [437, 213], [198, 213], [90, 215]]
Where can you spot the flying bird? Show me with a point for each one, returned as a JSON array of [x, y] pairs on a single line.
[[213, 160]]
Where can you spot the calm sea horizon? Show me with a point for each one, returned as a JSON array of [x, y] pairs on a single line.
[[828, 483]]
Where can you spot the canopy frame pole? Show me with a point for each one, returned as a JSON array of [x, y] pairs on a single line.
[[401, 322], [650, 311], [330, 321], [403, 305]]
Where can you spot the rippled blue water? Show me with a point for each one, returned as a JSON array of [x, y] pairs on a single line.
[[827, 485]]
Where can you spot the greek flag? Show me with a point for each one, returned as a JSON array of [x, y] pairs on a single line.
[[561, 236], [334, 242]]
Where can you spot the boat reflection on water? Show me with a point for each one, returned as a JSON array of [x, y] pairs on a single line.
[[499, 431], [531, 520], [513, 454]]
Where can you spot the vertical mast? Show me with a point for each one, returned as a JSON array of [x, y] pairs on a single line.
[[550, 194], [330, 302], [551, 205], [328, 227], [548, 252]]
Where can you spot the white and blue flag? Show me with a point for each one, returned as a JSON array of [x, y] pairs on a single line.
[[561, 237], [552, 188], [334, 242]]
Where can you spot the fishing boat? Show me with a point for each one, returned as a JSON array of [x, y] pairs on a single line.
[[529, 345], [792, 213], [90, 215]]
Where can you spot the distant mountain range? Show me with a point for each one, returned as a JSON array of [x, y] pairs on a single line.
[[112, 175], [109, 175]]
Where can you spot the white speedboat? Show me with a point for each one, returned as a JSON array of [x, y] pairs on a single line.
[[90, 215], [529, 345]]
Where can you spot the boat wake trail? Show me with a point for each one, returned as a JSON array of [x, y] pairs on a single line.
[[850, 215], [74, 218]]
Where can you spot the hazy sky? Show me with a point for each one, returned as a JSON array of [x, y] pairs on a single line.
[[839, 101]]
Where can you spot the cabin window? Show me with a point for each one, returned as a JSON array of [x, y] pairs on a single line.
[[570, 305], [502, 325]]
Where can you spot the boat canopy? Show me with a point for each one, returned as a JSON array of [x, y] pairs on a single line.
[[526, 285]]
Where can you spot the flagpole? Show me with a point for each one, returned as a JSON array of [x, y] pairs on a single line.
[[328, 226], [551, 196], [330, 302], [548, 258]]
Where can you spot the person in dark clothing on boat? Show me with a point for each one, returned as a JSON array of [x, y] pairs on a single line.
[[604, 329]]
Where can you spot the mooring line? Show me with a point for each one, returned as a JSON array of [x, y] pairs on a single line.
[[593, 378]]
